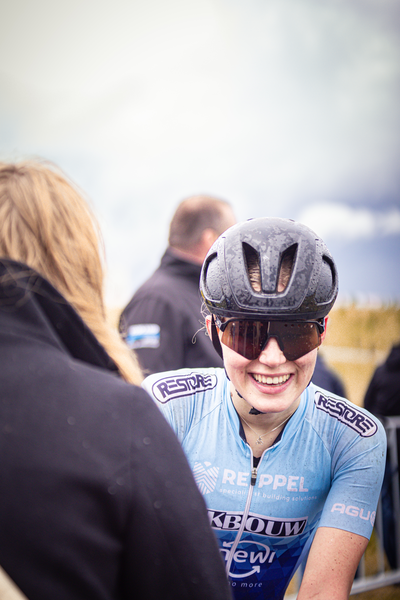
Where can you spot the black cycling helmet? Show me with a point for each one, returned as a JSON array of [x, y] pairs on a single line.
[[312, 287]]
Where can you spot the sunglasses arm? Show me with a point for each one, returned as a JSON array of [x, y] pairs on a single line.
[[323, 327], [215, 337]]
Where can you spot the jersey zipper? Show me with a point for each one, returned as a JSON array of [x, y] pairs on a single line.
[[235, 544]]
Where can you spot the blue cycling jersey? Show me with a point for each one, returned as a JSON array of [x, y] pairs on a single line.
[[325, 469]]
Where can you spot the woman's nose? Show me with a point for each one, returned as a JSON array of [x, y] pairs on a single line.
[[272, 355]]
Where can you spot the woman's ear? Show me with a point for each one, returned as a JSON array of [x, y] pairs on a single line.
[[324, 333], [212, 331], [208, 325]]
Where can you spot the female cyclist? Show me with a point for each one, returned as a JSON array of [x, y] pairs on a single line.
[[287, 470]]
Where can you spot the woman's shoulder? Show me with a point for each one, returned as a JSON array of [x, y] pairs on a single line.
[[187, 396], [329, 412], [186, 384]]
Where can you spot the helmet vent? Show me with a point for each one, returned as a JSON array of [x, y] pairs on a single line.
[[326, 283], [286, 267], [252, 261]]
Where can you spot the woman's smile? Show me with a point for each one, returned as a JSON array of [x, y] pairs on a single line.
[[270, 383], [270, 379]]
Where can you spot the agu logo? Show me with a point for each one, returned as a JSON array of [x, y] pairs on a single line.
[[354, 511], [347, 414], [169, 388], [205, 476]]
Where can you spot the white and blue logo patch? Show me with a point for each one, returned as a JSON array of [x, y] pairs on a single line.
[[205, 476], [169, 388], [146, 335], [347, 414]]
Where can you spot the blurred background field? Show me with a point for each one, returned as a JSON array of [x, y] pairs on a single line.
[[358, 339]]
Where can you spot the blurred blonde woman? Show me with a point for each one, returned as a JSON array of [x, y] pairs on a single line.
[[95, 490], [46, 223]]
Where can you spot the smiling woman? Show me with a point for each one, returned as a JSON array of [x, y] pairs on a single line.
[[291, 292], [287, 469]]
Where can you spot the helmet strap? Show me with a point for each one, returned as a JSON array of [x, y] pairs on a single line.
[[252, 411]]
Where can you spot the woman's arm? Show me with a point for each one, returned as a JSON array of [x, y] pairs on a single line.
[[332, 563]]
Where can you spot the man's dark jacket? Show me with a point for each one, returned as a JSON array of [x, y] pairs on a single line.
[[97, 501], [171, 300], [383, 399], [326, 378], [383, 394]]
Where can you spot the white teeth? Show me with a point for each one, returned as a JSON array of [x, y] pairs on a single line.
[[271, 380]]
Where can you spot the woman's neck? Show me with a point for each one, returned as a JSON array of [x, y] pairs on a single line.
[[261, 430]]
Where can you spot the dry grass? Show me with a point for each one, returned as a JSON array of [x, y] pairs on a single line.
[[391, 592], [371, 568], [371, 332], [366, 329], [386, 593]]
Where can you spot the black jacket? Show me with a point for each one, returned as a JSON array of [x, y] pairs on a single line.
[[383, 394], [326, 378], [171, 300], [97, 501]]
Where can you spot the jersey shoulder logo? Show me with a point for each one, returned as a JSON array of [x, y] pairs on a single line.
[[347, 414], [205, 476], [169, 388]]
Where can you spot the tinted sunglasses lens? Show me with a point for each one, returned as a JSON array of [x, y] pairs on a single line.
[[248, 338], [296, 339], [245, 337]]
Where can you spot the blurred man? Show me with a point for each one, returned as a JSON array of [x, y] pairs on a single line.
[[163, 321], [382, 399], [327, 378]]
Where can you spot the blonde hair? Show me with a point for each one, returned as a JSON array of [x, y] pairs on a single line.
[[46, 223]]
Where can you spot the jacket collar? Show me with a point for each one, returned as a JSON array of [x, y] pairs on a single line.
[[29, 303], [178, 266]]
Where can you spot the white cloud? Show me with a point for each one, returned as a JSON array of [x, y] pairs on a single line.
[[331, 220], [263, 103], [295, 96]]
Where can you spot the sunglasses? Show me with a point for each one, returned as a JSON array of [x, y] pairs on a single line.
[[249, 338]]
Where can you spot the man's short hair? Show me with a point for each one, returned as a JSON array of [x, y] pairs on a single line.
[[193, 216]]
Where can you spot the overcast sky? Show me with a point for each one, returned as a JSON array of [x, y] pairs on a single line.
[[283, 107]]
